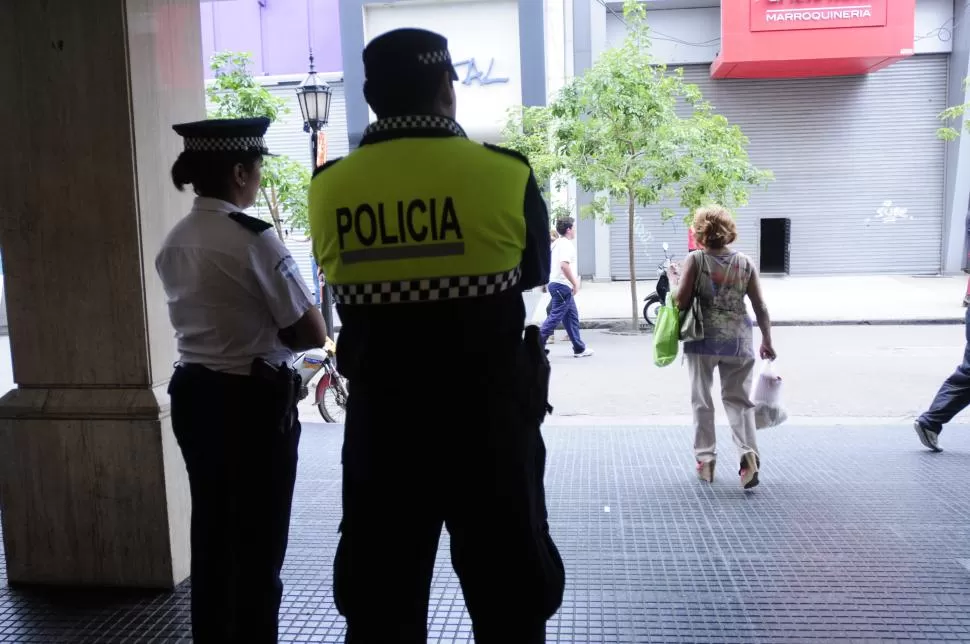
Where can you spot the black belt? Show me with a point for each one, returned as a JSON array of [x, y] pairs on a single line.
[[281, 385]]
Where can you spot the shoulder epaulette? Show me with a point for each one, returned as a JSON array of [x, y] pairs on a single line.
[[251, 224], [326, 165], [512, 153]]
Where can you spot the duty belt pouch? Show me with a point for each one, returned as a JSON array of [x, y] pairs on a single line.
[[283, 385], [537, 370]]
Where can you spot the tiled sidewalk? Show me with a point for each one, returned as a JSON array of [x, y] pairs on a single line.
[[856, 535]]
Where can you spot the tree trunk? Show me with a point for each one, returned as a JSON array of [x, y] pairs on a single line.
[[273, 209], [634, 314], [274, 212]]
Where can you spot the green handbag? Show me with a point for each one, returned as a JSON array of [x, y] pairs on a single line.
[[666, 333]]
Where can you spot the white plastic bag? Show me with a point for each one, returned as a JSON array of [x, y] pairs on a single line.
[[768, 409]]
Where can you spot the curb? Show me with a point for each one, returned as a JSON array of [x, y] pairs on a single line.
[[610, 323]]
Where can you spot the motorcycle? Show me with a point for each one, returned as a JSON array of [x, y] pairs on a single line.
[[330, 390], [655, 300]]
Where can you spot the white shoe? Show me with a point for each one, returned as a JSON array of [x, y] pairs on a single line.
[[583, 354]]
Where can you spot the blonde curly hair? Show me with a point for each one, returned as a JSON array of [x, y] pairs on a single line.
[[714, 227]]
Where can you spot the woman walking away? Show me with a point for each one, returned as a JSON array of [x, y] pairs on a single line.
[[726, 276]]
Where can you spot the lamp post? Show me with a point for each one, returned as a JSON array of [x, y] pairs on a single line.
[[314, 97]]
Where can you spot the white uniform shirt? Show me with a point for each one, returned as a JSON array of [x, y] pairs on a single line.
[[230, 290], [563, 250]]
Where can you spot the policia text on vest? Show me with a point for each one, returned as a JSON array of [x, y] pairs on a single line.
[[402, 229]]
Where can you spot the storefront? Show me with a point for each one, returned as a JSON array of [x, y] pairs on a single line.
[[498, 68], [842, 104]]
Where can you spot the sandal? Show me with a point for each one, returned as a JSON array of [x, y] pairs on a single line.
[[705, 471], [750, 463]]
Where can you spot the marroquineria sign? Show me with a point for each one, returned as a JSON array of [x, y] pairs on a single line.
[[790, 15]]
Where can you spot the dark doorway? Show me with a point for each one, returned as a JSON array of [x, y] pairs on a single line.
[[775, 240]]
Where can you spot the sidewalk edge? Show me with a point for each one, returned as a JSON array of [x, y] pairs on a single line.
[[610, 323]]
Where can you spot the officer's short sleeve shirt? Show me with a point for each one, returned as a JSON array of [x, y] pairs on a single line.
[[230, 290]]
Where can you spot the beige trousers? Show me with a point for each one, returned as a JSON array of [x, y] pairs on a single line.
[[736, 377]]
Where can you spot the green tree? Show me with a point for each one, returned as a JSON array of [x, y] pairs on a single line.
[[617, 131], [950, 114], [236, 94], [529, 131]]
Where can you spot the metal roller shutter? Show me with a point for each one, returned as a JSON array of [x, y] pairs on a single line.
[[840, 148]]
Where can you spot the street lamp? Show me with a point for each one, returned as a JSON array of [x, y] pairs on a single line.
[[314, 96]]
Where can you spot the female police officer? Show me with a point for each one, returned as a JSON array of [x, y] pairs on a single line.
[[240, 309]]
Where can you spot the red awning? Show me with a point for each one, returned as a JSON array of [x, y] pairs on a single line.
[[799, 38]]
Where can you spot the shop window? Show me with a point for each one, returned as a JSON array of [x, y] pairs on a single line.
[[775, 244]]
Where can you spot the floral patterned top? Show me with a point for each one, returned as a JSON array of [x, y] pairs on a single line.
[[721, 289]]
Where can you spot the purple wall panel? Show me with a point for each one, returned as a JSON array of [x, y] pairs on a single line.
[[326, 35], [275, 32], [208, 36], [237, 26]]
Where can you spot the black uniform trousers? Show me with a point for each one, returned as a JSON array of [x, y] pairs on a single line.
[[242, 469], [456, 449]]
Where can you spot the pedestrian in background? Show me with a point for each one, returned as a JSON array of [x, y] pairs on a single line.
[[447, 278], [563, 287], [553, 236], [726, 277], [240, 309], [952, 398]]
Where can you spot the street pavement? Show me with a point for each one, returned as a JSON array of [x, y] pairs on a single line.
[[831, 375], [855, 535]]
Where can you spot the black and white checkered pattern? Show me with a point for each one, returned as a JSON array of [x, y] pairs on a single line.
[[435, 57], [416, 122], [427, 290], [227, 144]]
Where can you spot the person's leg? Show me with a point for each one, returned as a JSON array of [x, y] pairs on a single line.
[[952, 397], [700, 369], [391, 524], [736, 376], [510, 570], [264, 498], [242, 470], [210, 540], [560, 304], [571, 322]]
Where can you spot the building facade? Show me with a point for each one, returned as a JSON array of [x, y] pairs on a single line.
[[862, 182]]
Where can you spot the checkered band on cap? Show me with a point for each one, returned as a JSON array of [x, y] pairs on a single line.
[[427, 290], [416, 122], [225, 144], [435, 57]]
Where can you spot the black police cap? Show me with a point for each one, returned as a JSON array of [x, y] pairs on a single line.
[[225, 135], [407, 52]]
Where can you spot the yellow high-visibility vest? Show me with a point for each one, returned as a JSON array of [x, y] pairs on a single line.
[[419, 219]]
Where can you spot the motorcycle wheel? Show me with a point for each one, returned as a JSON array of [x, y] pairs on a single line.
[[650, 309], [332, 394]]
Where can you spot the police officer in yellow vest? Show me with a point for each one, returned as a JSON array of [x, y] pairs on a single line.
[[429, 240]]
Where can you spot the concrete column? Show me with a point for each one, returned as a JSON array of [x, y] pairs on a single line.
[[93, 489], [589, 41], [955, 222]]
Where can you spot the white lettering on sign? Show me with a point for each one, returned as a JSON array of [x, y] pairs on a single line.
[[858, 12]]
